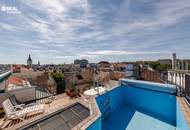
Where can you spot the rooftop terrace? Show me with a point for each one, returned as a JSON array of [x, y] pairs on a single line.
[[63, 101]]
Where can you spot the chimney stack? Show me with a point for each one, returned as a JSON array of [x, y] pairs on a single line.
[[186, 65], [174, 61]]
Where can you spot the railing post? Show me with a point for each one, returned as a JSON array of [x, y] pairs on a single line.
[[187, 86], [183, 80], [172, 77], [179, 81]]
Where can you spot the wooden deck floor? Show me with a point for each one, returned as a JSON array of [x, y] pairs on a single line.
[[61, 101]]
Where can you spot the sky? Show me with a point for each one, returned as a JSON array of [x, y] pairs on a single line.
[[59, 31]]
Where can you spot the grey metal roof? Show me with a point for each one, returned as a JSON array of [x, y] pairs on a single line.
[[65, 119]]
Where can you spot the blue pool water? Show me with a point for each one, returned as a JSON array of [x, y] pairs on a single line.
[[136, 105], [130, 118]]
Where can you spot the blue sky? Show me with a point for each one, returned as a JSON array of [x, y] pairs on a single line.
[[59, 31]]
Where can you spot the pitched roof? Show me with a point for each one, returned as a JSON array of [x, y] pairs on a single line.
[[16, 81]]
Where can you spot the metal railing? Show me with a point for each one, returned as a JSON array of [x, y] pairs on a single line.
[[178, 77], [31, 94], [181, 78], [42, 94], [187, 87]]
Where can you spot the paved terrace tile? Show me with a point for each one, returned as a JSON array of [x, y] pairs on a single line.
[[185, 109]]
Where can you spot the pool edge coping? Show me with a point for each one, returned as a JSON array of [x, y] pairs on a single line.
[[185, 109]]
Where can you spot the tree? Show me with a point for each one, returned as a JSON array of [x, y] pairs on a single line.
[[157, 66], [163, 67], [152, 64], [60, 80], [57, 76], [73, 86]]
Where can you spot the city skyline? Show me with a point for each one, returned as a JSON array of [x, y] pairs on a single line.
[[60, 31]]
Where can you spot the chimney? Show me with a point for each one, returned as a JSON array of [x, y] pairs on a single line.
[[182, 65], [186, 65], [174, 61]]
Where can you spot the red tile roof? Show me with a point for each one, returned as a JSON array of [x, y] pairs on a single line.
[[15, 80]]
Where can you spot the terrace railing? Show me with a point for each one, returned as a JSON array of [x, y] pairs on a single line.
[[31, 94], [187, 87], [42, 93], [178, 77], [181, 78]]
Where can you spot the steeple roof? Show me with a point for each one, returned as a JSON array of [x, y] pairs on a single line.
[[29, 58]]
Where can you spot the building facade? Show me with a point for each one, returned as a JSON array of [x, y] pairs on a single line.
[[83, 62]]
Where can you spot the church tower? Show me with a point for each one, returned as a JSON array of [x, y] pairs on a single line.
[[29, 61], [38, 63]]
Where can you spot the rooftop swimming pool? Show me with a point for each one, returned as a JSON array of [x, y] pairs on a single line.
[[140, 105]]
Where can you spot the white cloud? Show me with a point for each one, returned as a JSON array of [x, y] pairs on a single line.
[[77, 28], [7, 27], [64, 57], [118, 53]]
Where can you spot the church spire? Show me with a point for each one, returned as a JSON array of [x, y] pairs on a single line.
[[29, 58], [38, 62], [29, 61]]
